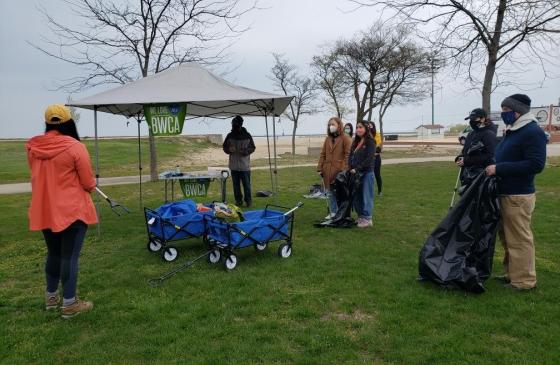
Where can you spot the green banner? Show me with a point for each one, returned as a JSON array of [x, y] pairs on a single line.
[[165, 119], [194, 187]]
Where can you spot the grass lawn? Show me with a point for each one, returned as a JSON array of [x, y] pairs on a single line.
[[344, 297], [117, 157]]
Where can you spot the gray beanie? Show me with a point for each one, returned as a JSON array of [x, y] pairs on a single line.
[[519, 103]]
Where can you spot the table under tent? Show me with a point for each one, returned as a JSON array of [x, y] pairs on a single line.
[[203, 93]]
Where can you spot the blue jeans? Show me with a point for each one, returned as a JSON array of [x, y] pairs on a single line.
[[238, 178], [363, 197], [62, 258], [333, 206]]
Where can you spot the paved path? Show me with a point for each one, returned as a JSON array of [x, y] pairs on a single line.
[[552, 150], [105, 181]]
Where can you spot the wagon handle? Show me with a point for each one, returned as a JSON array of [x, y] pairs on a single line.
[[158, 281], [298, 205]]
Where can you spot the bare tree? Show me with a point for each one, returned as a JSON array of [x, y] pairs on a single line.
[[380, 67], [486, 33], [76, 115], [405, 76], [118, 42], [303, 89], [330, 78]]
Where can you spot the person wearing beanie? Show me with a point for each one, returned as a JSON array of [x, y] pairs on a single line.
[[239, 145], [61, 205], [519, 157], [478, 150]]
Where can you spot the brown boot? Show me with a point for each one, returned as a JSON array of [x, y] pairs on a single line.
[[51, 302], [79, 306]]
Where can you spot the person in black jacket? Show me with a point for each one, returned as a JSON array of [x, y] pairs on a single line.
[[478, 151], [239, 146], [361, 161]]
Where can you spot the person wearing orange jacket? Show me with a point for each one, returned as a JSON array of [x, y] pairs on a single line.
[[61, 206]]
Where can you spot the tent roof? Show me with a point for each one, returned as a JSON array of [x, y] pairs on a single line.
[[206, 95]]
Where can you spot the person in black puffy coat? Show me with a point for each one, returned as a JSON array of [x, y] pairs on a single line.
[[478, 151]]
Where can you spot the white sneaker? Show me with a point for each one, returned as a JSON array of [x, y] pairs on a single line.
[[329, 216]]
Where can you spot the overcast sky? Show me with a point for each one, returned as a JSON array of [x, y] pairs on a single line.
[[297, 28]]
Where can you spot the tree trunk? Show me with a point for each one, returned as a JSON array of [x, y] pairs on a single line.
[[294, 142], [493, 57], [488, 78]]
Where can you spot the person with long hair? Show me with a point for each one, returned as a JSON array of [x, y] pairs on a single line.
[[349, 130], [361, 162], [333, 159], [378, 149], [61, 206]]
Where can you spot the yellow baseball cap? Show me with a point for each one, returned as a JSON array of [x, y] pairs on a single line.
[[57, 111]]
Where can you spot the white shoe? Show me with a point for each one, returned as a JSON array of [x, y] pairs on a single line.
[[329, 216]]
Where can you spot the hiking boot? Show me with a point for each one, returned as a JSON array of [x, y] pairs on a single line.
[[79, 306], [517, 288], [502, 279], [51, 302]]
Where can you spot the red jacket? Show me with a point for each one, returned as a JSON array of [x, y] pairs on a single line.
[[61, 182]]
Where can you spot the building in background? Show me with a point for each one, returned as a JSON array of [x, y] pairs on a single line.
[[430, 131]]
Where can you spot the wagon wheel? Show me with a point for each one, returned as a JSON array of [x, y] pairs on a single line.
[[230, 261], [214, 256], [261, 246], [285, 250], [169, 253], [154, 245]]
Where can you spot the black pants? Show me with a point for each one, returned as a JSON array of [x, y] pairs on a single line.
[[238, 178], [377, 172], [62, 258]]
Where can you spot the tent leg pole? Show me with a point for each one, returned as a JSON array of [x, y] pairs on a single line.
[[139, 163], [275, 162], [269, 158], [97, 207]]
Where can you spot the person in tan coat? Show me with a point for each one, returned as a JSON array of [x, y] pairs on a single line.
[[334, 159]]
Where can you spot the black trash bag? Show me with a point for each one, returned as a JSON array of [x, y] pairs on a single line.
[[459, 252], [343, 187]]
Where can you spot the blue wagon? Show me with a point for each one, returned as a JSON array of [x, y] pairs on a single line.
[[259, 228], [172, 222]]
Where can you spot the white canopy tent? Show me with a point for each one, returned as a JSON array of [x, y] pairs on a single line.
[[205, 94]]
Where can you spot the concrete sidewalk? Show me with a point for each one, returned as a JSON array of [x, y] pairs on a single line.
[[20, 188]]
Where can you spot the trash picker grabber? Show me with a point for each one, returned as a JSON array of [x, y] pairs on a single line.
[[298, 205], [455, 189], [158, 281], [114, 205]]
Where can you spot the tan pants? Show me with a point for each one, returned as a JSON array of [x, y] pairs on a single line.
[[517, 239]]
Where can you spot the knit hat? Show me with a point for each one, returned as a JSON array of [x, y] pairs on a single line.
[[59, 112], [519, 103]]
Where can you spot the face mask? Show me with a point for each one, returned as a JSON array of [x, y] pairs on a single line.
[[333, 129], [508, 117], [474, 123], [347, 130]]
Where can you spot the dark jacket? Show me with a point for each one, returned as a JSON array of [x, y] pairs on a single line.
[[480, 158], [362, 159], [239, 145], [520, 156]]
